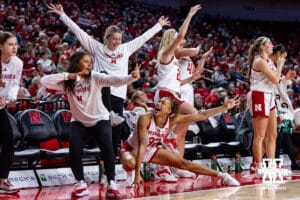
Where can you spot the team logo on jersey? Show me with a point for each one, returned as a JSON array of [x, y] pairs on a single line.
[[257, 107]]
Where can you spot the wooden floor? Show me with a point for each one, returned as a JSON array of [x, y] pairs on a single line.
[[203, 187]]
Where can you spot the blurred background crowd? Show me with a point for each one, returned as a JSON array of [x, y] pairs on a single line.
[[46, 45]]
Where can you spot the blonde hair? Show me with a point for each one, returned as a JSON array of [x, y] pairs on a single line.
[[255, 50], [35, 81], [109, 31], [166, 39]]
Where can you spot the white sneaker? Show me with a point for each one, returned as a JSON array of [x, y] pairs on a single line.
[[116, 119], [253, 167], [165, 175], [80, 189], [259, 171], [180, 173], [112, 191], [130, 178], [229, 180]]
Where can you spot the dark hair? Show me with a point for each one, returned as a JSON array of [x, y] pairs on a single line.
[[174, 105], [220, 101], [73, 67], [4, 36], [279, 48]]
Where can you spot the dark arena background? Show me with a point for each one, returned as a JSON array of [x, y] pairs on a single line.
[[40, 117]]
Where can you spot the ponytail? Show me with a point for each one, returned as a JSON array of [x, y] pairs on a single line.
[[167, 38], [255, 50]]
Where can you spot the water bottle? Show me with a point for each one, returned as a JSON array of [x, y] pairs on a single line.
[[214, 164], [146, 172], [287, 127], [238, 163]]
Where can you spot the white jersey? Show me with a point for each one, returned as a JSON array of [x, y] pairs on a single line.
[[155, 135], [186, 66], [113, 62], [259, 81], [11, 76], [283, 103], [168, 76], [86, 102], [132, 116]]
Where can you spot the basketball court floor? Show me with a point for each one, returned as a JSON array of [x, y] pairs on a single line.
[[203, 187]]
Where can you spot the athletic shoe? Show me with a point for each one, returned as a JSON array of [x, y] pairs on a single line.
[[116, 119], [253, 167], [129, 178], [229, 180], [8, 188], [112, 191], [80, 189], [259, 171], [165, 175], [180, 173]]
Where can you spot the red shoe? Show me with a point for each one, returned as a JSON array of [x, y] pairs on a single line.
[[112, 191], [80, 189], [253, 167], [165, 175]]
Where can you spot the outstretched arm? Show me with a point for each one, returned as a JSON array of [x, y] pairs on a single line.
[[115, 80], [55, 81], [89, 43], [138, 42], [168, 53], [203, 115]]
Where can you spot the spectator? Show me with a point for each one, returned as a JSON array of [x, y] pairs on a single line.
[[219, 78], [47, 64]]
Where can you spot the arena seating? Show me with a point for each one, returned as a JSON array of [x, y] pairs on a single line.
[[23, 157], [62, 120]]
